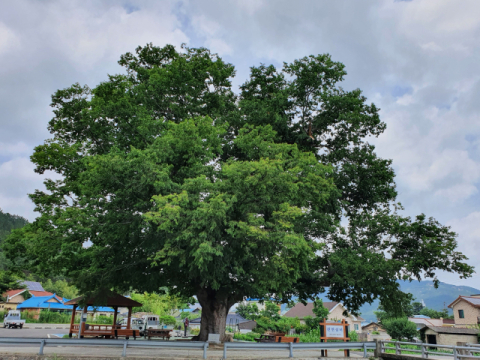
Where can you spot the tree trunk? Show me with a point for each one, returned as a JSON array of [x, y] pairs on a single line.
[[215, 308]]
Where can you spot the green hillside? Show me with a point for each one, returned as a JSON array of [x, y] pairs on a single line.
[[8, 222]]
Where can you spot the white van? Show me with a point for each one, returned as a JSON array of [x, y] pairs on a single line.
[[152, 321]]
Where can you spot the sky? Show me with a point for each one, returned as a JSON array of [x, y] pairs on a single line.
[[417, 60]]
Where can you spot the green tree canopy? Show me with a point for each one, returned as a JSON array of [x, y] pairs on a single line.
[[61, 287], [434, 314], [8, 280], [170, 179], [247, 310], [417, 307], [400, 328]]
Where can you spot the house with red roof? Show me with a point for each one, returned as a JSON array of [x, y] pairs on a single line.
[[15, 297]]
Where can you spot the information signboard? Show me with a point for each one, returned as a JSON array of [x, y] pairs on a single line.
[[335, 331]]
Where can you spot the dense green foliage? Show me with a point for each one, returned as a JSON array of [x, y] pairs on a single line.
[[167, 320], [416, 307], [54, 317], [248, 310], [173, 180], [321, 313], [8, 223], [251, 311], [159, 303], [250, 336], [400, 328], [61, 287], [407, 308], [434, 314], [353, 335]]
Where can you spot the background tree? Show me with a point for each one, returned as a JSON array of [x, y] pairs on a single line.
[[434, 314], [61, 287], [247, 311], [8, 280], [170, 179], [271, 310], [417, 307], [400, 328]]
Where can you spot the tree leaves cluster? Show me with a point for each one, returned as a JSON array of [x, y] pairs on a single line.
[[171, 179], [8, 280], [400, 328]]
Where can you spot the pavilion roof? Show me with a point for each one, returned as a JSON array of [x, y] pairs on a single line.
[[106, 298]]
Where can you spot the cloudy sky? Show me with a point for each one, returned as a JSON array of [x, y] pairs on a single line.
[[417, 60]]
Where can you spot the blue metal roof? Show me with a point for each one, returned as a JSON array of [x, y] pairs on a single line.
[[41, 302]]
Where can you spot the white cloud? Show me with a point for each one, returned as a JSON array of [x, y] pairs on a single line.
[[430, 49], [17, 180], [8, 39]]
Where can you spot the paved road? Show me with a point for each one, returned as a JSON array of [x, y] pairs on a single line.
[[158, 354], [30, 333]]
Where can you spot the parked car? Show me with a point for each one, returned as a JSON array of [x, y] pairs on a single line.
[[12, 320], [135, 324]]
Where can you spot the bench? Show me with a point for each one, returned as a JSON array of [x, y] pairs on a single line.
[[163, 333]]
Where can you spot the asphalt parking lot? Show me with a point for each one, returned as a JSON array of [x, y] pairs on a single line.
[[31, 333]]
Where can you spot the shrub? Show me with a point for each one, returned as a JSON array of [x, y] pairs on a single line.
[[353, 336], [2, 314], [250, 336], [309, 336], [102, 320], [400, 328], [301, 328], [195, 331], [375, 332], [52, 317]]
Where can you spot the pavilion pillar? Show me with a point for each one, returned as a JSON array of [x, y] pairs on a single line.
[[82, 322], [115, 309], [73, 320], [129, 317]]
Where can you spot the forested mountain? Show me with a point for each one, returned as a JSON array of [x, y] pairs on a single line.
[[8, 222]]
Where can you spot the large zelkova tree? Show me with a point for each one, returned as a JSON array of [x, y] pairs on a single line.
[[172, 179]]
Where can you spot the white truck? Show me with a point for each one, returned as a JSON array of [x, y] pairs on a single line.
[[12, 320]]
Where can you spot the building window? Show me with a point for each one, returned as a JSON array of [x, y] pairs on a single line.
[[356, 326], [461, 315]]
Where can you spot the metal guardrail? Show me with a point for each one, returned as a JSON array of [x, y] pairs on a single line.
[[300, 346], [113, 343], [458, 352]]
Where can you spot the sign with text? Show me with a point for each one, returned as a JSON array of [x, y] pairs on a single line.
[[334, 331]]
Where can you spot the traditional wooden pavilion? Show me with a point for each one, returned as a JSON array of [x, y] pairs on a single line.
[[105, 298]]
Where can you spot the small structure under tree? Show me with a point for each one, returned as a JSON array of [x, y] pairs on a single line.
[[105, 298]]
